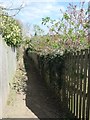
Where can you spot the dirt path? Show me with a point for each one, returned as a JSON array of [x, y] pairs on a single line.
[[16, 105], [29, 96]]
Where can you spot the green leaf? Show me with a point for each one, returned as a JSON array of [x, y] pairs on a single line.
[[66, 16]]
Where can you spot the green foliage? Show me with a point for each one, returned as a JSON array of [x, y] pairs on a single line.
[[45, 44], [10, 30], [38, 30], [72, 28], [66, 16], [51, 67], [45, 20], [69, 33]]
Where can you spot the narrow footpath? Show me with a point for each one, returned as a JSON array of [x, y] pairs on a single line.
[[29, 97]]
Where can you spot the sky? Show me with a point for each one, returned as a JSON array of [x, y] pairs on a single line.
[[34, 10]]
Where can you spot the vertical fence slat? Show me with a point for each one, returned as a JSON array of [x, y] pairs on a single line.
[[74, 82], [77, 84], [88, 102], [84, 83], [67, 65], [81, 75], [69, 82]]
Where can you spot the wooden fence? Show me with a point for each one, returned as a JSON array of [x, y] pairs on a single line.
[[76, 85], [69, 77]]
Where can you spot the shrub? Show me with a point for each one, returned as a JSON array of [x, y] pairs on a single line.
[[10, 30]]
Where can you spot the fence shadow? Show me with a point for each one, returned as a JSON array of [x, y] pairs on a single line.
[[39, 99]]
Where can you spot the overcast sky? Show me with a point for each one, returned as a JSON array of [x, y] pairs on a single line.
[[35, 10]]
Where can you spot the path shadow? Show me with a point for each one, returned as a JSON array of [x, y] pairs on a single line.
[[39, 99]]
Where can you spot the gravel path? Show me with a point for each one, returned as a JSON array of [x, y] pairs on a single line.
[[29, 96]]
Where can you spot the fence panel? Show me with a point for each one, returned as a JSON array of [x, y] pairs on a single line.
[[76, 83]]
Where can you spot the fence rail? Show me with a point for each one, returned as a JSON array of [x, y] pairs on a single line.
[[76, 80]]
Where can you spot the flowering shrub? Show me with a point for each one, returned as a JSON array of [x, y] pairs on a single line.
[[72, 30], [10, 30]]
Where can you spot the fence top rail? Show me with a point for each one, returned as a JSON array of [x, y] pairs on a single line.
[[79, 53]]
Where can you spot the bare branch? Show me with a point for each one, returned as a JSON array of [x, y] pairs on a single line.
[[17, 10], [9, 9]]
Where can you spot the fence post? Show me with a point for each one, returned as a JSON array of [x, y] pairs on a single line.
[[89, 86], [89, 61], [0, 77]]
